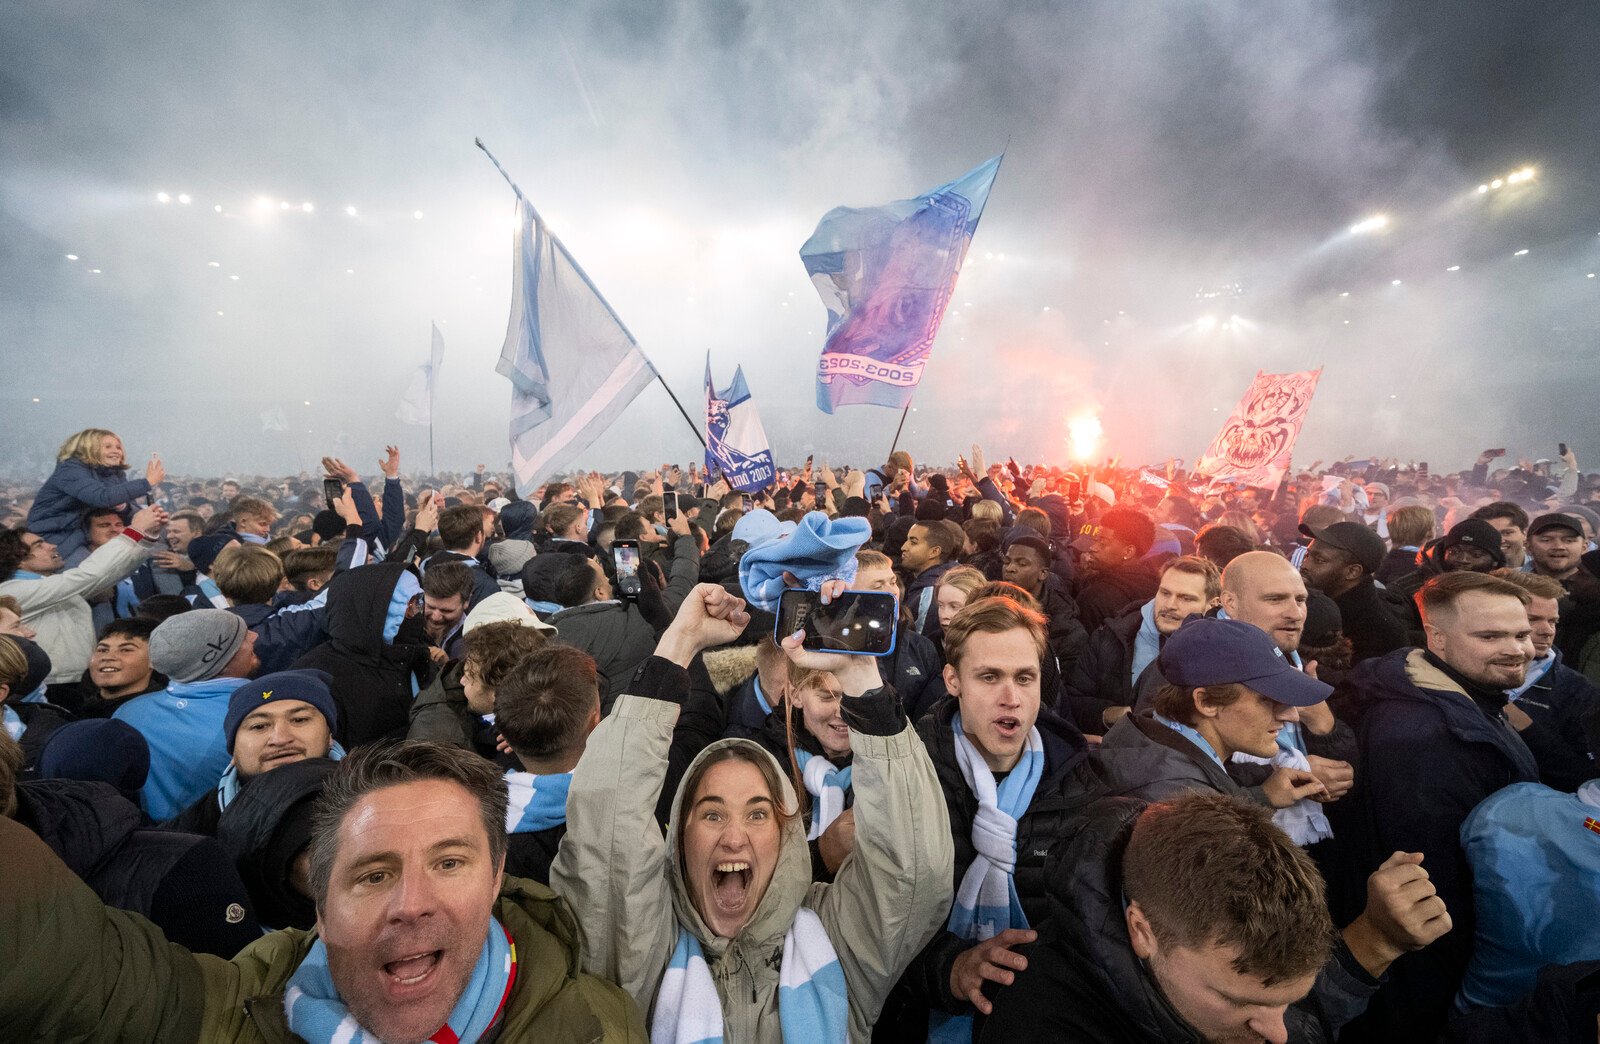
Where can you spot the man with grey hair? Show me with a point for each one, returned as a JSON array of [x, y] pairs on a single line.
[[419, 935]]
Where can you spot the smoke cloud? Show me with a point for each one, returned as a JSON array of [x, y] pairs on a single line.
[[1173, 214]]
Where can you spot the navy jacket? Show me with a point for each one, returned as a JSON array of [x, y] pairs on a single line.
[[282, 635], [1565, 708], [63, 502], [1428, 756]]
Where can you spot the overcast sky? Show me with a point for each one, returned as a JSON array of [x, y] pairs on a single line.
[[684, 151]]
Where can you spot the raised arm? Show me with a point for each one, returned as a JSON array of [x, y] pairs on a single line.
[[612, 864], [893, 893], [83, 485]]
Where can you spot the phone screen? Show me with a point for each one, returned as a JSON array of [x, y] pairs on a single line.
[[861, 623], [332, 490], [625, 556], [821, 490], [746, 502], [669, 502]]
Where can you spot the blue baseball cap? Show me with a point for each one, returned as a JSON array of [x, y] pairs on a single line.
[[1206, 650]]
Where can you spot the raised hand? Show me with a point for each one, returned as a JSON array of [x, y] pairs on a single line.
[[390, 464], [155, 472], [338, 469], [709, 616]]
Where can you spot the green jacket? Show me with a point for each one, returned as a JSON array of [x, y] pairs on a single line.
[[72, 969], [625, 881]]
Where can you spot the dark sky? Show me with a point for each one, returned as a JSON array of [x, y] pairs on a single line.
[[685, 150]]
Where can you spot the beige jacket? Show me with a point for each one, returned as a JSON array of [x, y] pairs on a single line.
[[58, 608], [625, 880]]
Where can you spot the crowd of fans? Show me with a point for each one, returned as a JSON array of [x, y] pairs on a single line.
[[1153, 757]]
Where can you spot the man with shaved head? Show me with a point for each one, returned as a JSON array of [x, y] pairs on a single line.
[[1262, 589], [1434, 740]]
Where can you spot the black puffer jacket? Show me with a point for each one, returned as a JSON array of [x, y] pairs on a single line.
[[1068, 784], [1084, 984], [1104, 593], [1067, 636], [372, 678], [184, 883], [1101, 676], [264, 828]]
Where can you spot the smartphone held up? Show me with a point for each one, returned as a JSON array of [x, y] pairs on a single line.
[[858, 623]]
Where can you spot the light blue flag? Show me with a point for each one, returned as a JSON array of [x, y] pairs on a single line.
[[736, 443], [885, 274], [573, 366], [416, 406]]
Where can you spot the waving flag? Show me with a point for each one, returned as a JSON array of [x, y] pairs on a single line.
[[1254, 444], [736, 443], [573, 366], [274, 420], [416, 407], [885, 275]]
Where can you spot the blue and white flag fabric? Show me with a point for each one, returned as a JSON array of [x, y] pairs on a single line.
[[885, 275], [736, 443], [573, 366], [416, 407]]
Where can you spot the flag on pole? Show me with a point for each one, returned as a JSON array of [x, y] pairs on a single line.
[[416, 406], [274, 420], [736, 443], [885, 275], [1254, 444], [573, 366]]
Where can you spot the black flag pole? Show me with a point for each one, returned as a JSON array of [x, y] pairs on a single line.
[[668, 388], [896, 444]]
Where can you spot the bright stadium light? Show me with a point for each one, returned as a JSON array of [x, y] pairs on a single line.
[[350, 210], [306, 207], [184, 198], [162, 197], [1375, 223], [263, 203], [1496, 183], [1453, 268], [417, 214], [1519, 253], [1483, 188], [1205, 322], [72, 257]]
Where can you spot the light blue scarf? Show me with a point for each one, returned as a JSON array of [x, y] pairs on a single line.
[[547, 608], [1146, 644], [1189, 733], [827, 785], [812, 1004], [316, 1013], [986, 900], [536, 802], [15, 726]]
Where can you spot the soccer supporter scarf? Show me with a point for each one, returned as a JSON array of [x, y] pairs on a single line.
[[15, 726], [1146, 642], [812, 1005], [536, 802], [828, 785], [986, 900], [317, 1015]]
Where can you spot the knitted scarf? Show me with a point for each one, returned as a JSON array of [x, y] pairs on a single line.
[[812, 1005], [316, 1013]]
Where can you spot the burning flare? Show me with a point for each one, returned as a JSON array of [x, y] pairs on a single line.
[[1084, 433]]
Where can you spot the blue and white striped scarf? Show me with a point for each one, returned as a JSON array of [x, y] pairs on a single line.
[[828, 785], [317, 1014], [986, 900], [536, 802], [812, 1005]]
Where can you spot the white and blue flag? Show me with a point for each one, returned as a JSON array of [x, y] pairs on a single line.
[[416, 406], [573, 366], [736, 443], [885, 275]]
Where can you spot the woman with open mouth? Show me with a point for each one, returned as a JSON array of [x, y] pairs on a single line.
[[809, 736], [705, 925]]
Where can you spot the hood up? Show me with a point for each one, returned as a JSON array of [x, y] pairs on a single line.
[[791, 878]]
